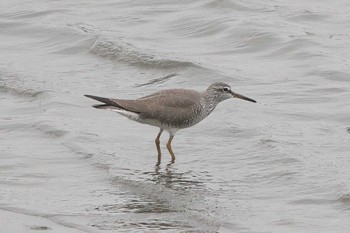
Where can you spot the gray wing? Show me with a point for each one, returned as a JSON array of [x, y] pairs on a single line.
[[172, 107], [172, 98]]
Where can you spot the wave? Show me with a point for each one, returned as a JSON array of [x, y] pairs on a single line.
[[129, 54], [19, 92], [9, 85]]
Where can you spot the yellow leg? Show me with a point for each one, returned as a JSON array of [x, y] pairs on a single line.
[[168, 145], [158, 145]]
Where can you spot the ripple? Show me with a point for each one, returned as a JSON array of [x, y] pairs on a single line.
[[157, 80], [228, 5], [312, 201], [290, 47], [27, 14], [197, 27], [307, 15], [332, 75], [49, 130]]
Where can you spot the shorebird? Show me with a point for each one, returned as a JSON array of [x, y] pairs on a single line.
[[172, 109]]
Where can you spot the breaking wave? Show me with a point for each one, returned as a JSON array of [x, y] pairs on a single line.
[[129, 54]]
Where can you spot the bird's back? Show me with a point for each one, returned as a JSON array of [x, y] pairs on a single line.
[[177, 108]]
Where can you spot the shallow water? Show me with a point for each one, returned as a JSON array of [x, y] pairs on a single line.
[[281, 165]]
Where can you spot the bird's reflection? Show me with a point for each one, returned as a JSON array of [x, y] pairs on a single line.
[[163, 189], [170, 177]]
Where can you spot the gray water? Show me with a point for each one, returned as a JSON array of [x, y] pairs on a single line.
[[281, 165]]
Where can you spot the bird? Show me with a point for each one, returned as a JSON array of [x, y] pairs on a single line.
[[171, 109]]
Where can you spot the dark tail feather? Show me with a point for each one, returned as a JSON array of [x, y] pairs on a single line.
[[101, 99], [108, 102], [103, 106]]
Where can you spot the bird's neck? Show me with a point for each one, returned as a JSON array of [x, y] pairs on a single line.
[[210, 102]]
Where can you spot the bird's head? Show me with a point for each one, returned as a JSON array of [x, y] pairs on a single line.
[[222, 91]]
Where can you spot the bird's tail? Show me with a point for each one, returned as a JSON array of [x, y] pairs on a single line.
[[108, 103]]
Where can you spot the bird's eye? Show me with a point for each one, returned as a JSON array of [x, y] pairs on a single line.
[[225, 89]]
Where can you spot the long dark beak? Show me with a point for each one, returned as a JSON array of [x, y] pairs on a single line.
[[235, 95]]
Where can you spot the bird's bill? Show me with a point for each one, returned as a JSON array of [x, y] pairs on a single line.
[[239, 96]]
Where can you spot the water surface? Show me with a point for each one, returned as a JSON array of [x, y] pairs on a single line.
[[281, 165]]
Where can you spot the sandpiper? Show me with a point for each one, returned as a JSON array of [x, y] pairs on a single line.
[[171, 109]]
